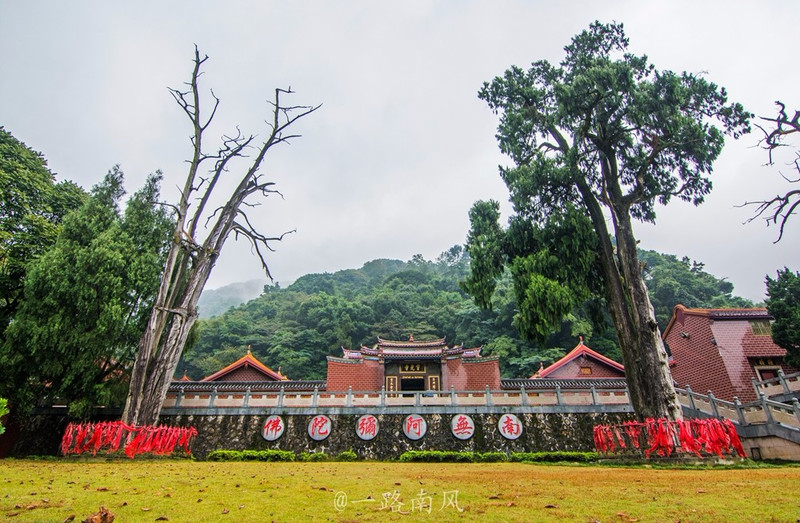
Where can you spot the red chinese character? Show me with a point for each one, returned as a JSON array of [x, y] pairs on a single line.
[[510, 426], [367, 426], [273, 426], [319, 426], [463, 426], [414, 425]]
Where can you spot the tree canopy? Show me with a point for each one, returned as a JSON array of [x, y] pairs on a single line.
[[32, 206], [597, 140], [86, 301], [783, 303]]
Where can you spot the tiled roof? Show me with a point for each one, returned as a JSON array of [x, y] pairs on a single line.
[[397, 350], [411, 344], [242, 386], [577, 352], [565, 384], [248, 360], [713, 349]]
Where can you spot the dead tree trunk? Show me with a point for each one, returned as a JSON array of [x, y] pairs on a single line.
[[190, 260]]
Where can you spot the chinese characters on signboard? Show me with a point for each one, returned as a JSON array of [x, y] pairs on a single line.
[[273, 428], [319, 427], [509, 426], [462, 426], [414, 427], [367, 427]]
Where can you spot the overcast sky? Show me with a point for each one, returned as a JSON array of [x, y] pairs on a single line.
[[402, 147]]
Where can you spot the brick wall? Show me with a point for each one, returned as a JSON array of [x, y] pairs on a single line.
[[481, 374], [361, 375]]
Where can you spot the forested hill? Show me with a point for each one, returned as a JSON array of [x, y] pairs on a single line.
[[295, 328]]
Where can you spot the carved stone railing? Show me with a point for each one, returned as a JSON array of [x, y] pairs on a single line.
[[192, 399], [782, 387], [779, 419]]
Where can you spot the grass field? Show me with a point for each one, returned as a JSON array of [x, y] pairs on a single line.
[[182, 490]]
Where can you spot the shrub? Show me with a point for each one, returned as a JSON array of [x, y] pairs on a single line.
[[313, 456], [3, 412], [250, 455], [347, 455], [447, 456], [555, 456], [492, 457]]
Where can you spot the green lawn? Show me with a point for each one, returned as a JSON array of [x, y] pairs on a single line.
[[181, 490]]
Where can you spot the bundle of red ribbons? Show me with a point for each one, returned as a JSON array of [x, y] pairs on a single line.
[[110, 436], [663, 438]]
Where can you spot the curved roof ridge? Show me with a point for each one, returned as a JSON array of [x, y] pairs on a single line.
[[247, 359], [579, 350]]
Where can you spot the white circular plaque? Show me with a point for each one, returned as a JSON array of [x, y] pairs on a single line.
[[414, 427], [319, 427], [509, 426], [462, 426], [273, 428], [367, 427]]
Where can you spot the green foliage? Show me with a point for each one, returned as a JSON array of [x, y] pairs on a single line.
[[87, 300], [313, 456], [554, 457], [451, 456], [250, 455], [32, 207], [603, 127], [3, 412], [783, 303], [671, 281], [346, 455], [295, 328]]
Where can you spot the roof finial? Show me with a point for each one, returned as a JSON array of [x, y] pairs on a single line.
[[581, 339], [411, 338], [248, 350]]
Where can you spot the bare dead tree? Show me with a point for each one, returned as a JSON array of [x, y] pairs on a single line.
[[190, 261], [777, 210]]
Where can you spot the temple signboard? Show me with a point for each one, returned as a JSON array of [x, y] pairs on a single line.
[[273, 428], [462, 426]]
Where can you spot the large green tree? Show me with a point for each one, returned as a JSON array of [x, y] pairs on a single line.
[[596, 141], [32, 206], [783, 303], [87, 300]]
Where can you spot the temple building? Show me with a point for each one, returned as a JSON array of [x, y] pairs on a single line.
[[582, 363], [412, 366]]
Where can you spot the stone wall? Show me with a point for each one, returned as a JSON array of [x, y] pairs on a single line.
[[541, 432]]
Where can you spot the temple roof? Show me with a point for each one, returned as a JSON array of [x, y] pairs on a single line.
[[247, 361], [406, 349], [580, 351]]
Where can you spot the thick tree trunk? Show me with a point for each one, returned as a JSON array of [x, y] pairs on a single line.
[[647, 371]]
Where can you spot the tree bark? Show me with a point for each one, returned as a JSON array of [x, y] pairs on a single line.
[[650, 384], [189, 262]]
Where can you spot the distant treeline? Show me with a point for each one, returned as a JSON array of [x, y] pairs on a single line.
[[295, 328]]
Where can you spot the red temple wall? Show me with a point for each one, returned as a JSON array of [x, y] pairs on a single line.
[[362, 375], [481, 374]]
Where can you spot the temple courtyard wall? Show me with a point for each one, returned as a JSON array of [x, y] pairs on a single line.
[[539, 432]]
